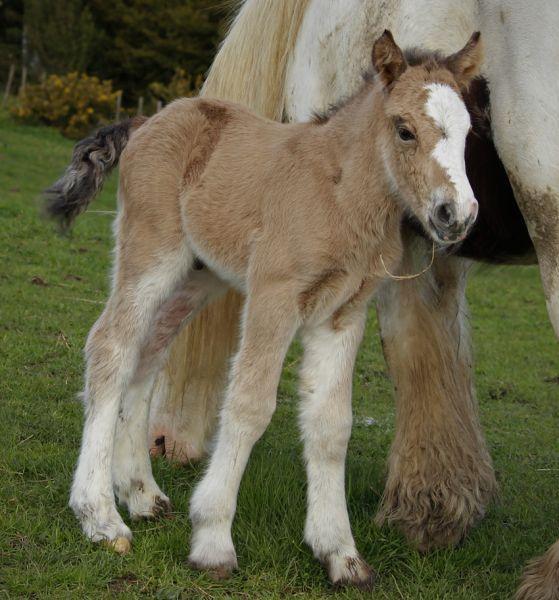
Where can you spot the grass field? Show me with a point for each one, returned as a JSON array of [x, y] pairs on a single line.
[[51, 291]]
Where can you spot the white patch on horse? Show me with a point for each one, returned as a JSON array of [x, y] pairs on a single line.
[[449, 112]]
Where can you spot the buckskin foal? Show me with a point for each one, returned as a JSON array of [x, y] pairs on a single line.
[[305, 220]]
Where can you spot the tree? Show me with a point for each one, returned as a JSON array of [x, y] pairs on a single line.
[[148, 40], [131, 42], [61, 35], [11, 29]]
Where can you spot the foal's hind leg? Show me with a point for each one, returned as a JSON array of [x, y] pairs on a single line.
[[113, 353], [325, 420], [133, 480]]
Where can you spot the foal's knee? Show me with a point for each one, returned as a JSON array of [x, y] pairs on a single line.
[[249, 411], [326, 436]]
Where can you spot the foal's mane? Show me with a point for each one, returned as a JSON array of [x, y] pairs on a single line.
[[415, 57]]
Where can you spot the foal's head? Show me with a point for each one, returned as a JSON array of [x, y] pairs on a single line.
[[425, 135]]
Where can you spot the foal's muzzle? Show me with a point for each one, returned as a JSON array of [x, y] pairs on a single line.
[[449, 224]]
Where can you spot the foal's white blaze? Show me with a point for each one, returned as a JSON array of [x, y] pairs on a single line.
[[449, 112]]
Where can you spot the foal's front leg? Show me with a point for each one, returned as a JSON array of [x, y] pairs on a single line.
[[325, 419], [269, 324]]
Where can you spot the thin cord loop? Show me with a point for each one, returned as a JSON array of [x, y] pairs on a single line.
[[401, 277]]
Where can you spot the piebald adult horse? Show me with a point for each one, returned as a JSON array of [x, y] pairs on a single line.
[[290, 59]]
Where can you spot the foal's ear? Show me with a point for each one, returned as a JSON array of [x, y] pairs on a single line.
[[466, 63], [388, 60]]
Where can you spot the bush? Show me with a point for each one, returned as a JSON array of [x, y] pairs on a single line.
[[181, 85], [74, 103]]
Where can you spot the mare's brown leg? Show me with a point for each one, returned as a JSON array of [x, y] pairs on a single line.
[[440, 474]]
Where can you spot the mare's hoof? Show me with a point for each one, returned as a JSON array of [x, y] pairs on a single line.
[[540, 580]]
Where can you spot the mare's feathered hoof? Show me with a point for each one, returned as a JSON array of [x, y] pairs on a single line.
[[436, 511], [540, 580]]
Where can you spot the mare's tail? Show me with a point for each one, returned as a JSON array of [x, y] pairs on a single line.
[[92, 161]]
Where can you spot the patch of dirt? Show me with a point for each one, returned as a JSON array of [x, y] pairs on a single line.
[[36, 280], [122, 583]]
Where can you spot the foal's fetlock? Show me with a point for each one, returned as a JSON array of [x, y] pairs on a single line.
[[156, 507], [102, 523], [349, 569]]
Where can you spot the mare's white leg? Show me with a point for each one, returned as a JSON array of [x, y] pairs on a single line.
[[325, 419], [268, 328], [113, 352], [521, 47]]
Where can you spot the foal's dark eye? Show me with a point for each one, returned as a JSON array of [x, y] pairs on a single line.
[[405, 134]]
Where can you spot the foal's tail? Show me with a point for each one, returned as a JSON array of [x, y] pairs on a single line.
[[92, 161]]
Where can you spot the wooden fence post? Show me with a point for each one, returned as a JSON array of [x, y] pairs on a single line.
[[159, 106], [118, 105], [9, 84], [23, 83], [140, 106]]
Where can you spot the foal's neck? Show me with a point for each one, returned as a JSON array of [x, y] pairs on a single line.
[[359, 130]]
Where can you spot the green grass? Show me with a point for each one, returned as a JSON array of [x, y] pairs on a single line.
[[51, 291]]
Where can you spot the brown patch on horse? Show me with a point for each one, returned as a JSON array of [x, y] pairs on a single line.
[[544, 228], [166, 325], [217, 117], [215, 113], [364, 290]]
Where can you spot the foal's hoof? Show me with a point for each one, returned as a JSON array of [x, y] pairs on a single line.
[[217, 572], [344, 570], [217, 560], [120, 545], [160, 508]]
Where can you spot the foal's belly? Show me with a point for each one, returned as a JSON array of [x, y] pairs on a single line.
[[220, 233]]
